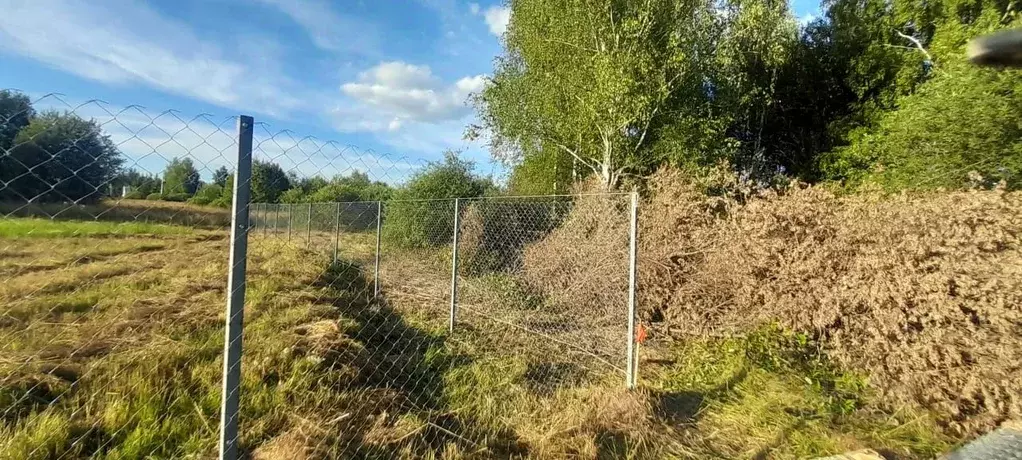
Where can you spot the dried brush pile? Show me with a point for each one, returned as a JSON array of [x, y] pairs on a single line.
[[923, 292]]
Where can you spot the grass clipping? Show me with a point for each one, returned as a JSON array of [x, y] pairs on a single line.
[[922, 292]]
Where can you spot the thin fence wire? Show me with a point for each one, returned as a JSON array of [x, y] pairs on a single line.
[[115, 229], [506, 249], [112, 318]]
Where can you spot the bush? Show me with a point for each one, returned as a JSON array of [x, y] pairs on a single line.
[[207, 194], [135, 195], [154, 196], [294, 195], [415, 221], [958, 130], [221, 202], [176, 197], [495, 232]]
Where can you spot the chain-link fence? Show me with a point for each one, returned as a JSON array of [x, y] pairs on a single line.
[[357, 324], [111, 306], [437, 284]]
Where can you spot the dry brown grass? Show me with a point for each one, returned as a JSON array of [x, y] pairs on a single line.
[[584, 262], [921, 291]]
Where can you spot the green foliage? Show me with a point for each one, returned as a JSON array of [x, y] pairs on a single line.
[[597, 87], [180, 177], [543, 173], [176, 197], [46, 228], [220, 176], [268, 182], [779, 386], [960, 128], [207, 194], [963, 122], [353, 187], [141, 184], [15, 113], [59, 157], [294, 195], [415, 218], [154, 196], [695, 83]]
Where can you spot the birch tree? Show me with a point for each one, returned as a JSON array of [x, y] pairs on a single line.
[[594, 79]]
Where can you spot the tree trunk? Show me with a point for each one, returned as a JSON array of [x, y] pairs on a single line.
[[607, 166]]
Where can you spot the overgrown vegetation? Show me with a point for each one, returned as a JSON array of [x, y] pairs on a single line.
[[870, 91], [421, 213], [913, 291], [116, 333], [774, 394]]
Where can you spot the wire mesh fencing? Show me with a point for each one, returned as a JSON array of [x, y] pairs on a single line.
[[111, 306], [532, 289], [356, 325]]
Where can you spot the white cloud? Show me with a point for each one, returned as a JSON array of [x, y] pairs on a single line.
[[327, 29], [497, 18], [809, 17], [474, 8], [398, 90], [124, 42]]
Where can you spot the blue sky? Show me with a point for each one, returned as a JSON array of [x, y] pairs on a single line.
[[388, 76]]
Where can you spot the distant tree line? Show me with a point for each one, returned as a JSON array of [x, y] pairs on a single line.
[[52, 156], [60, 157]]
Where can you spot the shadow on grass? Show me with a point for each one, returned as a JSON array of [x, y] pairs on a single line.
[[412, 361]]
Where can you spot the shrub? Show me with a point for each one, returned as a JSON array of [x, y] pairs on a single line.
[[154, 196], [207, 194], [222, 202], [135, 195], [176, 197], [421, 213], [294, 195], [495, 232], [584, 262]]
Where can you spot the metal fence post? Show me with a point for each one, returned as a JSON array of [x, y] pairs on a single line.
[[276, 219], [454, 266], [376, 267], [633, 365], [290, 219], [229, 410], [308, 228], [337, 229]]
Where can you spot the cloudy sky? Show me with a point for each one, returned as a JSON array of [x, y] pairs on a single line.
[[388, 77]]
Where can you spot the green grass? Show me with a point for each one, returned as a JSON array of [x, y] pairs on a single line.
[[775, 394], [125, 363], [45, 228]]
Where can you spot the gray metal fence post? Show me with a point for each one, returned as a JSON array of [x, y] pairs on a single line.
[[454, 266], [308, 228], [229, 410], [337, 230], [290, 219], [376, 267], [633, 365]]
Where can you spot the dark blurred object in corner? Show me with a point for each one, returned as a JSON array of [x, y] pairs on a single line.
[[1000, 49]]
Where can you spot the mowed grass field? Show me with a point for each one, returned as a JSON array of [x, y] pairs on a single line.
[[112, 335]]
